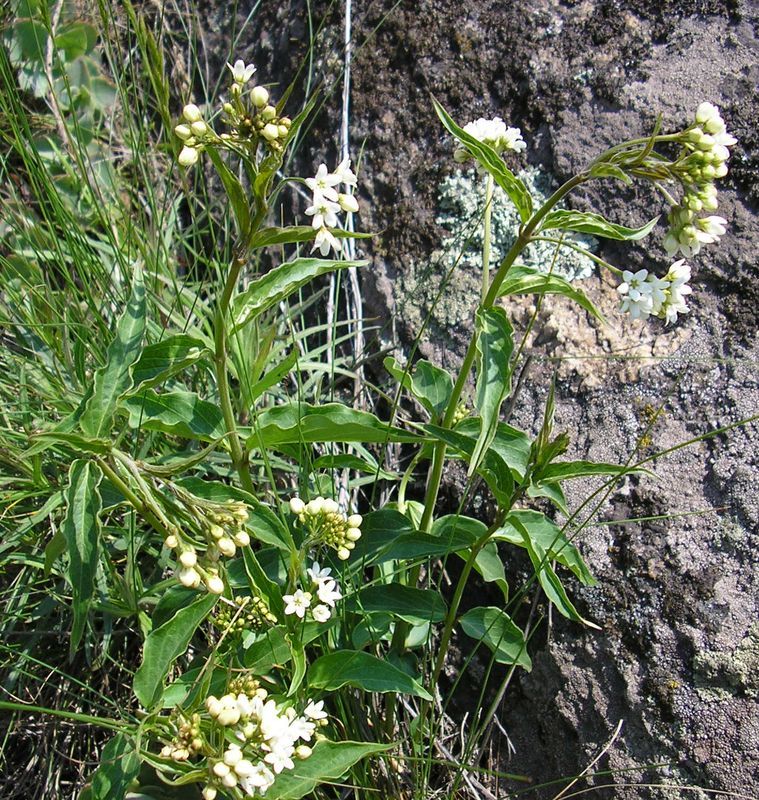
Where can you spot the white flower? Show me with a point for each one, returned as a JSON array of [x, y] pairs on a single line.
[[323, 184], [189, 578], [280, 759], [241, 72], [324, 241], [678, 276], [324, 213], [261, 778], [348, 203], [319, 574], [636, 294], [321, 613], [355, 520], [215, 584], [259, 96], [315, 711], [271, 132], [344, 174], [711, 227], [297, 506], [226, 546], [329, 593], [495, 134], [297, 603], [192, 113], [301, 728]]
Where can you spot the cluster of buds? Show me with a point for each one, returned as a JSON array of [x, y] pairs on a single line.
[[460, 414], [271, 736], [326, 202], [327, 525], [495, 134], [327, 591], [241, 741], [252, 120], [706, 150], [188, 741], [194, 133], [244, 614], [645, 295], [222, 527]]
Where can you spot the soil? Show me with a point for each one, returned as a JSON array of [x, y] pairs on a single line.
[[677, 596]]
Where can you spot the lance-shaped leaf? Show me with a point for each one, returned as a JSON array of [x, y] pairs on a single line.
[[159, 361], [495, 629], [494, 348], [165, 644], [81, 528], [327, 763], [548, 536], [492, 162], [362, 671], [297, 234], [546, 575], [178, 413], [232, 186], [594, 224], [431, 385], [413, 605], [332, 422], [119, 765], [526, 280], [279, 283], [114, 379]]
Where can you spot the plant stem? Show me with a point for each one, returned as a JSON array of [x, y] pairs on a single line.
[[239, 456], [486, 236]]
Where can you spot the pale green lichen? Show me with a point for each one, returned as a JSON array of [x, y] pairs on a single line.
[[458, 260], [720, 675]]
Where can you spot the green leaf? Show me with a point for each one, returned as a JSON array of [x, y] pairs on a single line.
[[271, 650], [607, 170], [164, 645], [297, 234], [492, 162], [279, 283], [362, 671], [553, 492], [526, 280], [594, 224], [76, 40], [260, 583], [82, 444], [413, 605], [564, 470], [329, 761], [495, 629], [160, 361], [429, 384], [235, 192], [273, 376], [178, 413], [297, 423], [115, 378], [495, 345], [510, 444], [354, 462], [378, 531], [81, 527], [413, 546], [548, 537], [119, 766], [548, 579]]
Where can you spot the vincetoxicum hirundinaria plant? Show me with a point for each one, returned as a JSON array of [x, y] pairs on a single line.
[[290, 636]]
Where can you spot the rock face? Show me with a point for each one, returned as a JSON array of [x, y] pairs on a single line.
[[677, 595]]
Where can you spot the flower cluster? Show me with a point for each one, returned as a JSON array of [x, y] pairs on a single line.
[[645, 295], [244, 739], [327, 591], [495, 134], [222, 528], [251, 118], [243, 614], [705, 154], [326, 201], [327, 525]]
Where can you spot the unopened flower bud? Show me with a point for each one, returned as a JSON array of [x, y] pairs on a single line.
[[303, 751], [188, 559], [235, 90], [259, 96], [355, 520], [217, 531], [220, 769], [270, 132], [282, 131], [183, 132], [286, 121], [353, 534], [343, 553], [192, 113], [215, 585], [230, 781], [242, 538], [348, 203], [171, 541], [188, 156], [228, 109], [232, 756], [244, 768], [330, 506], [297, 506], [226, 546], [268, 113], [199, 128], [189, 578], [209, 793]]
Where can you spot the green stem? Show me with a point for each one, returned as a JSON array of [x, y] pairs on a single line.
[[487, 236], [102, 722]]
